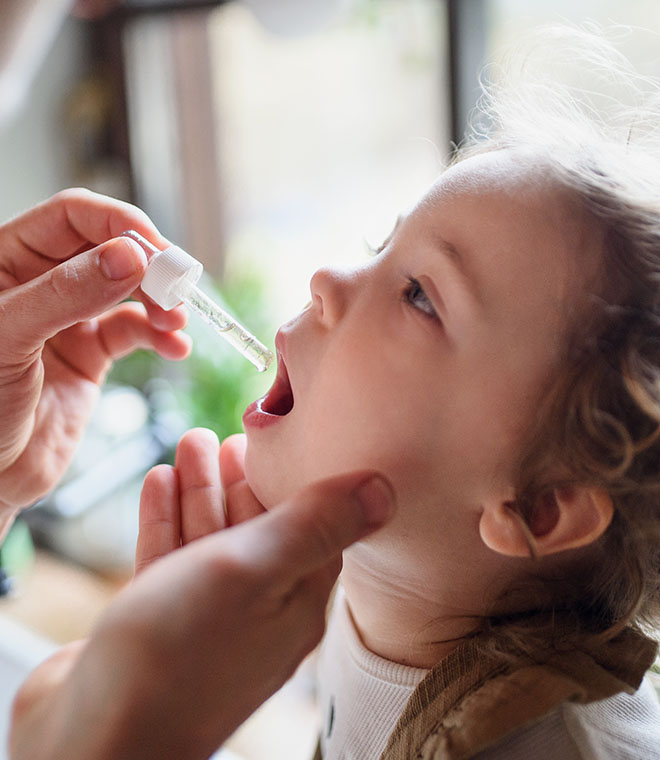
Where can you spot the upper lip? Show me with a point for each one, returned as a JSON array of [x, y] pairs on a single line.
[[279, 343]]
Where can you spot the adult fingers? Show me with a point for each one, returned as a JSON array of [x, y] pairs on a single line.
[[232, 456], [90, 347], [199, 484], [174, 319], [312, 528], [160, 516], [77, 289], [240, 503], [74, 220], [126, 327]]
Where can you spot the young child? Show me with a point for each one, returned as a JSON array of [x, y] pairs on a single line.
[[499, 362]]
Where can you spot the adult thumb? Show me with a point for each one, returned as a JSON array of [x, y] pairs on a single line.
[[304, 533], [78, 289]]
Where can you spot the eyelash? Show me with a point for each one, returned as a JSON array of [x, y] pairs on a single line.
[[413, 287], [410, 294]]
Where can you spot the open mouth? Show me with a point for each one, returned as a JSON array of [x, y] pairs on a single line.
[[279, 399]]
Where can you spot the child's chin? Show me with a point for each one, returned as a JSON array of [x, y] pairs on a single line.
[[268, 491]]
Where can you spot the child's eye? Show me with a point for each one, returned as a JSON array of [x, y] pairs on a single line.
[[414, 294]]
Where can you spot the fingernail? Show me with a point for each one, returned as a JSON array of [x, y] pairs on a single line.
[[376, 498], [122, 259]]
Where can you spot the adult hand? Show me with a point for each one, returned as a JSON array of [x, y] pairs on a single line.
[[204, 492], [205, 634], [60, 275]]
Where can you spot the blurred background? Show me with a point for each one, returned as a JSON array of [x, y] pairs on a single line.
[[267, 137]]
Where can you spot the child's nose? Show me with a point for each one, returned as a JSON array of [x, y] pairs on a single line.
[[328, 288]]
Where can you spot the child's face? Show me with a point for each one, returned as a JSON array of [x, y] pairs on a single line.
[[428, 361]]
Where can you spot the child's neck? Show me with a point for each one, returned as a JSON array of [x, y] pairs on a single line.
[[418, 623]]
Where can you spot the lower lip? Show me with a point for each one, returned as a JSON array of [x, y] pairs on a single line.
[[255, 417]]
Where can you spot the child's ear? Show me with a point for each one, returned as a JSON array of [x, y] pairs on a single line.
[[567, 518]]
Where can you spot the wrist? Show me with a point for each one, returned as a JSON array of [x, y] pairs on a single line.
[[59, 712], [36, 726], [120, 701]]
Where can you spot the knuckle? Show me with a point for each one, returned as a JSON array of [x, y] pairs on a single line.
[[229, 568], [42, 483], [30, 484], [209, 492], [65, 278]]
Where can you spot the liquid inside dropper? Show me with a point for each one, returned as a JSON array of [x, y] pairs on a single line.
[[223, 323]]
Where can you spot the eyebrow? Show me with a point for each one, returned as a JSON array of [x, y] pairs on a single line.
[[388, 239], [457, 260], [450, 248], [451, 252]]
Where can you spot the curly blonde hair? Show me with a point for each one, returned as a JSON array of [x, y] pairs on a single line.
[[570, 97]]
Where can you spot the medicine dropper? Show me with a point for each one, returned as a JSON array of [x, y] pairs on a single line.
[[171, 278]]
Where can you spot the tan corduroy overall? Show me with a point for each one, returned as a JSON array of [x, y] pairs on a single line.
[[469, 702]]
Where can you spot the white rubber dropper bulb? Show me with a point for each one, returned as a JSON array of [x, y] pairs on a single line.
[[171, 278]]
